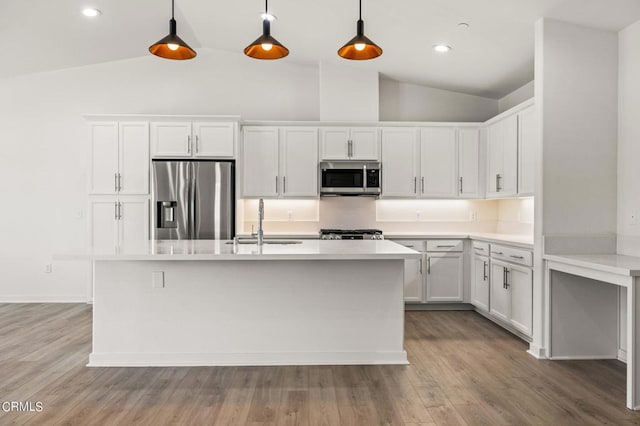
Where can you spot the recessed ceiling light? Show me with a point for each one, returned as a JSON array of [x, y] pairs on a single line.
[[268, 16], [441, 48], [91, 12]]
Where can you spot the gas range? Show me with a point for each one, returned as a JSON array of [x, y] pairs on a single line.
[[351, 234]]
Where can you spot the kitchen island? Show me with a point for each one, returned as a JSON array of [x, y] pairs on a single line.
[[211, 302]]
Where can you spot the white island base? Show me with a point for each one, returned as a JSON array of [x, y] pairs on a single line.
[[248, 312]]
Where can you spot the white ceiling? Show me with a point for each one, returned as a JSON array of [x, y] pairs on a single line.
[[491, 58]]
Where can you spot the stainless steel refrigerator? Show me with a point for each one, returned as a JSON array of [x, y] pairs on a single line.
[[193, 200]]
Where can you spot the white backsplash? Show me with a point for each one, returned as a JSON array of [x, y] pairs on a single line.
[[514, 216]]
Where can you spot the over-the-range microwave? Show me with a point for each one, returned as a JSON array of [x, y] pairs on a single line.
[[349, 178]]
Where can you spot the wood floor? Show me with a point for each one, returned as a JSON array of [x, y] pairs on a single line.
[[464, 370]]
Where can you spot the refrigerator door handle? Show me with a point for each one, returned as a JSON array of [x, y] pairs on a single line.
[[192, 200]]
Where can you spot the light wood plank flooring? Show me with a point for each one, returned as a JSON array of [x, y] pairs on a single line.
[[464, 370]]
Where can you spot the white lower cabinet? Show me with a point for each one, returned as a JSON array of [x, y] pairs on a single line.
[[480, 283], [512, 295], [116, 222], [444, 278]]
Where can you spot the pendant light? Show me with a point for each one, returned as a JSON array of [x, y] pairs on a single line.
[[172, 46], [360, 47], [265, 46]]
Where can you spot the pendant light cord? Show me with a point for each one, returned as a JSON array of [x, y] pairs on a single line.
[[360, 9], [266, 7], [173, 5]]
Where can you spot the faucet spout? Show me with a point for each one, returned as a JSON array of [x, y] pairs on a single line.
[[260, 219]]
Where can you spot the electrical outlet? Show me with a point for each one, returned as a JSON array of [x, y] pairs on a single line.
[[48, 268], [157, 279], [473, 216], [633, 220]]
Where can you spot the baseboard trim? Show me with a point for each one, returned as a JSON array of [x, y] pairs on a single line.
[[622, 355], [43, 299], [581, 357], [438, 307], [245, 359], [537, 352]]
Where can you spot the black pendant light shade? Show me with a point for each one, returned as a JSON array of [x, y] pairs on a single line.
[[265, 46], [360, 47], [172, 46]]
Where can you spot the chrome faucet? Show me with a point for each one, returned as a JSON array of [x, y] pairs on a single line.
[[260, 219]]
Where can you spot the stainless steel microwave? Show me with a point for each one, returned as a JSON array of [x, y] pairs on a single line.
[[350, 178]]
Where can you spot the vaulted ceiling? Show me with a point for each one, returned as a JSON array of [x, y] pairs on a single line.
[[490, 58]]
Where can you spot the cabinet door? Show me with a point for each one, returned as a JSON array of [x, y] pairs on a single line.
[[364, 143], [299, 162], [509, 182], [438, 160], [521, 287], [214, 140], [260, 162], [103, 214], [480, 283], [500, 297], [527, 132], [399, 162], [104, 158], [413, 282], [495, 158], [444, 277], [171, 139], [134, 158], [468, 161], [334, 143], [133, 221]]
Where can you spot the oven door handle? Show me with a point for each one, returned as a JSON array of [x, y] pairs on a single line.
[[364, 177]]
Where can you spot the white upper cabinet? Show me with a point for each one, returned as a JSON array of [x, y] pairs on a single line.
[[119, 158], [260, 162], [502, 158], [343, 143], [199, 139], [527, 134], [104, 158], [468, 163], [299, 161], [171, 139], [438, 159], [400, 162], [214, 139], [133, 158]]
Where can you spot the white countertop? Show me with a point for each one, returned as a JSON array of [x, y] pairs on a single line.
[[525, 241], [220, 250], [613, 263]]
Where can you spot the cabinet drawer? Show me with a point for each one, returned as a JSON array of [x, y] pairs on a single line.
[[445, 245], [481, 248], [509, 254], [417, 245]]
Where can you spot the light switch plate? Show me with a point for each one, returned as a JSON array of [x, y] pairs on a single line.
[[157, 279]]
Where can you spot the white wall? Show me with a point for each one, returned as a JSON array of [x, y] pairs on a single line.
[[628, 137], [576, 93], [411, 102], [516, 97], [44, 145], [348, 93]]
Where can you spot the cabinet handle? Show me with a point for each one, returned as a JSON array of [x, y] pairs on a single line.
[[507, 274], [197, 144], [420, 266], [276, 184], [498, 181], [115, 182], [460, 184], [498, 252], [446, 246], [415, 185], [485, 271], [115, 210], [504, 277], [350, 148], [119, 182], [120, 211], [516, 257], [428, 265], [284, 184], [479, 248], [422, 187]]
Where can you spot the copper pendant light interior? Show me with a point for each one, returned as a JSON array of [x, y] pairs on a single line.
[[360, 47], [266, 46], [172, 46]]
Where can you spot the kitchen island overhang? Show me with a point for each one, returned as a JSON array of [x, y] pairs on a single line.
[[209, 303]]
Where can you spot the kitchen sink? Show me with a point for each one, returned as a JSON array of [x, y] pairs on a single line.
[[255, 241]]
